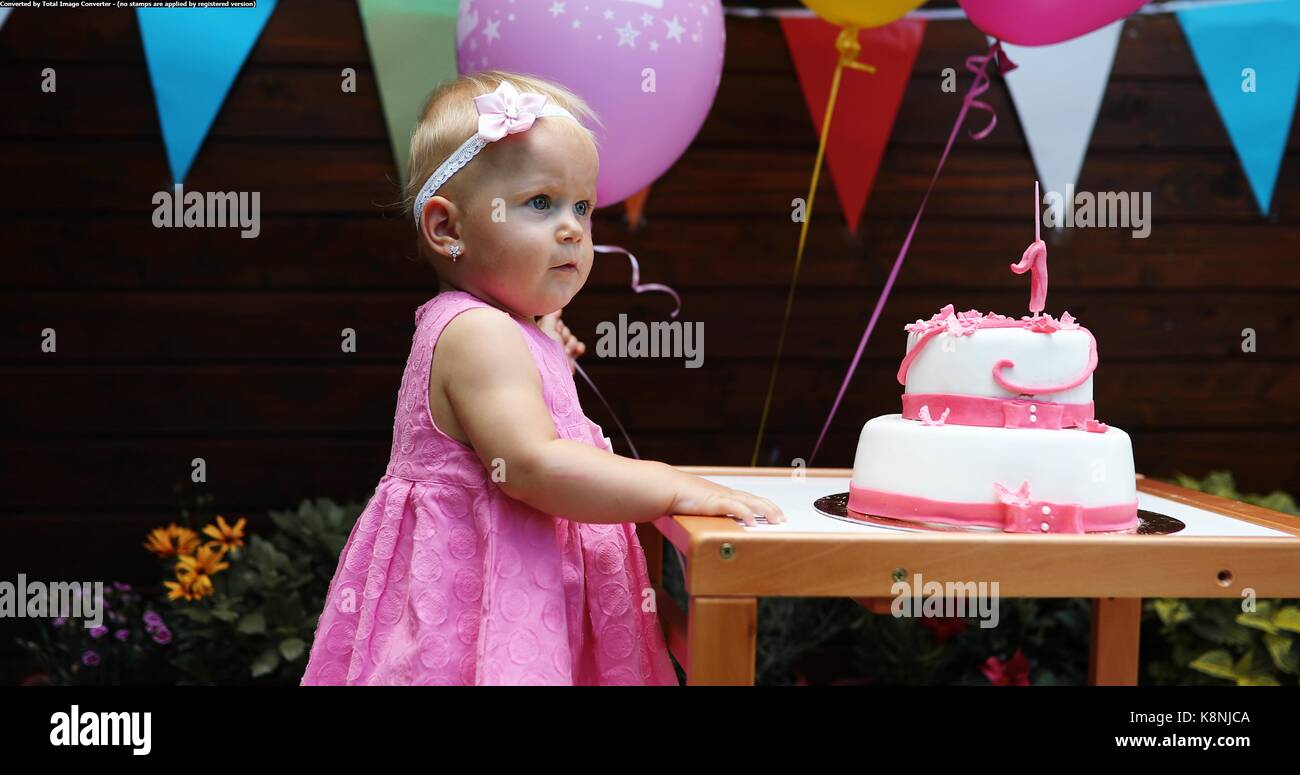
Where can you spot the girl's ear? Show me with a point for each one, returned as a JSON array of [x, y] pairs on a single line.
[[440, 225]]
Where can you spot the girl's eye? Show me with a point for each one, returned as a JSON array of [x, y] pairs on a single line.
[[543, 198], [583, 208]]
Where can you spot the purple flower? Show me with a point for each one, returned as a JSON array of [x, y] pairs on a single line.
[[162, 636], [121, 635], [152, 619], [98, 632], [90, 658], [59, 622]]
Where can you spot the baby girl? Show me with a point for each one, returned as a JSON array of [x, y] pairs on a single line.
[[500, 545]]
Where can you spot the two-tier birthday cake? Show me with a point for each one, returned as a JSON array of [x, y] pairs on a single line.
[[997, 428]]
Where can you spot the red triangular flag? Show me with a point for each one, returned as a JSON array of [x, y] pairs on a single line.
[[867, 102]]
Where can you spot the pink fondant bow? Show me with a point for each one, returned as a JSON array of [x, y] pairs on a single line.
[[507, 111], [1018, 498], [1022, 515]]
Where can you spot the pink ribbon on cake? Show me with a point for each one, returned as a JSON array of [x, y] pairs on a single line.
[[979, 66], [1022, 515], [1010, 511], [989, 412]]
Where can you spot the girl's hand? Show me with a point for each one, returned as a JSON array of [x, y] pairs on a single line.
[[552, 326], [702, 497]]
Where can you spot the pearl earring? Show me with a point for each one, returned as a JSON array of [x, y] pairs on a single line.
[[455, 251]]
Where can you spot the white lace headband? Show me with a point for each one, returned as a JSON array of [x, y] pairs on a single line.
[[505, 111]]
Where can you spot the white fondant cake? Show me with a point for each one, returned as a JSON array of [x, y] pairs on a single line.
[[997, 430], [964, 364]]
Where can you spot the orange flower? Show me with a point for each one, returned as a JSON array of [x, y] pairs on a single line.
[[189, 588], [172, 541], [204, 562], [226, 537]]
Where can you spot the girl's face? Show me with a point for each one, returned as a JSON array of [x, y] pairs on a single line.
[[526, 225]]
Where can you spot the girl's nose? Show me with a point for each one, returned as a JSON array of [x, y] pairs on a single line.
[[571, 230]]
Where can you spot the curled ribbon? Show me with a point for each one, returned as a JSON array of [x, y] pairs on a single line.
[[637, 287], [979, 66]]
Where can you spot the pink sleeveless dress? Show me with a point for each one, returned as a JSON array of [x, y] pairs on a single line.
[[445, 579]]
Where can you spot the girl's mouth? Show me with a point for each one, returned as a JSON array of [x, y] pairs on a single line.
[[566, 267]]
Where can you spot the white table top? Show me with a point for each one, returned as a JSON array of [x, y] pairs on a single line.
[[796, 496]]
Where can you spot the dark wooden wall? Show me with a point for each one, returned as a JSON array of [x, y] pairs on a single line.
[[184, 343]]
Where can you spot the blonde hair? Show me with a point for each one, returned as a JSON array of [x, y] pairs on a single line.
[[449, 117]]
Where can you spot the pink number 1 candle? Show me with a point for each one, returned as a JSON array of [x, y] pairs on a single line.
[[1034, 261]]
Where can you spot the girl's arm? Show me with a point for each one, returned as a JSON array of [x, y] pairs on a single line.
[[492, 385]]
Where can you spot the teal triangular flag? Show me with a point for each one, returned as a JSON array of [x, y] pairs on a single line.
[[1249, 56], [193, 55]]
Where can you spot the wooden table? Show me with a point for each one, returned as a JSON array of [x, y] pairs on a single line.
[[729, 567]]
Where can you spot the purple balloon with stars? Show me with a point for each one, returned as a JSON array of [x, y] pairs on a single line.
[[649, 68]]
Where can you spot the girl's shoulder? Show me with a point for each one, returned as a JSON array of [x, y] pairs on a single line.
[[447, 304]]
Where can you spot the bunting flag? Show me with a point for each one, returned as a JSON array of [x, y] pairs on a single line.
[[193, 56], [1057, 92], [1247, 55], [867, 103], [635, 207], [412, 49], [4, 14]]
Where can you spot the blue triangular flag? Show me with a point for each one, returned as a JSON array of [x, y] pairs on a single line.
[[193, 56], [1249, 57]]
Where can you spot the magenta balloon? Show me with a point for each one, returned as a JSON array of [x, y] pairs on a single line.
[[1042, 22], [649, 68]]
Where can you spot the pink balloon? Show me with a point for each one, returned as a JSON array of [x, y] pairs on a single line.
[[1042, 22], [649, 68]]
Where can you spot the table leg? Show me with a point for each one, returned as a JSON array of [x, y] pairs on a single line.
[[721, 633], [1116, 631]]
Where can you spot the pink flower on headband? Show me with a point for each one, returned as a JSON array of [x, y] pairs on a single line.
[[507, 111]]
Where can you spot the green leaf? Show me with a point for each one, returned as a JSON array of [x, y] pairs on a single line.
[[1287, 618], [1259, 620], [225, 614], [200, 615], [1172, 610], [252, 624], [1279, 648], [1245, 666], [292, 648], [266, 663], [1257, 680], [1217, 663]]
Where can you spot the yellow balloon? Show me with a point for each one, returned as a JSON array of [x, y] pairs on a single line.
[[861, 13]]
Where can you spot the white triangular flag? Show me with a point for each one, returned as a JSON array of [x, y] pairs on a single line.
[[1057, 92]]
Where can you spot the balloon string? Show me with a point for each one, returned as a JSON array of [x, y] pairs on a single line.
[[637, 287], [605, 403], [979, 66], [848, 47]]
